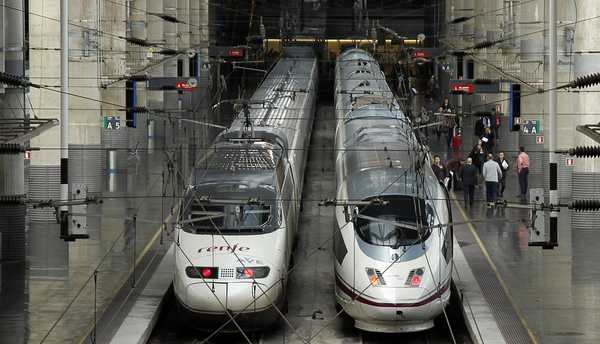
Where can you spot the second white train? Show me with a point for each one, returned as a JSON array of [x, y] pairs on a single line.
[[393, 248]]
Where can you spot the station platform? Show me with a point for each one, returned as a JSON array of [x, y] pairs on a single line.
[[535, 295], [63, 289], [532, 295]]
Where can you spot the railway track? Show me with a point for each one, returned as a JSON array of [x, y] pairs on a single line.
[[311, 300]]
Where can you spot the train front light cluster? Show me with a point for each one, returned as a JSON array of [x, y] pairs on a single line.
[[202, 272], [252, 272], [415, 277], [375, 277]]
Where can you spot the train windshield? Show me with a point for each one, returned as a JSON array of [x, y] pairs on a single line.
[[403, 221], [234, 212]]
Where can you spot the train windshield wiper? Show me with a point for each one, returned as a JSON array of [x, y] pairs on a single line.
[[205, 216], [401, 224]]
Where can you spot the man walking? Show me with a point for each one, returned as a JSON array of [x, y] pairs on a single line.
[[439, 170], [491, 174], [523, 172], [468, 175], [504, 167]]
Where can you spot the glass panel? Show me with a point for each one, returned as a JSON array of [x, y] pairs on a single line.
[[394, 224]]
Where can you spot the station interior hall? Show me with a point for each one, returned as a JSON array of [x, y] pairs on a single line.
[[299, 171]]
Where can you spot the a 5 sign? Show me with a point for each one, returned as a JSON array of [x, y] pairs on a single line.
[[111, 122]]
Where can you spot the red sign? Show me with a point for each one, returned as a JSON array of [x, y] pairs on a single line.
[[463, 88], [186, 85], [570, 162], [236, 52], [420, 54], [539, 140]]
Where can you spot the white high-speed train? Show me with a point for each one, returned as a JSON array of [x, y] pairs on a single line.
[[239, 216], [393, 245]]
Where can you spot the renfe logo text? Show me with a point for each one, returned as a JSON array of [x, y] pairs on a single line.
[[231, 249]]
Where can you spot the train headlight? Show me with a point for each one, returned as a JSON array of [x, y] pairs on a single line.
[[415, 277], [202, 272], [375, 277], [252, 272]]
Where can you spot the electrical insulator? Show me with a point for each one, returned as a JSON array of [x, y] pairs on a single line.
[[11, 148], [14, 80], [138, 41], [585, 205], [483, 45], [584, 81], [460, 20], [138, 109], [585, 152]]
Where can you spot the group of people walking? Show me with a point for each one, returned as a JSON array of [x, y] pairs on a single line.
[[493, 172], [481, 163]]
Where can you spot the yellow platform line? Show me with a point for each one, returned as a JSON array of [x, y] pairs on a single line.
[[487, 256]]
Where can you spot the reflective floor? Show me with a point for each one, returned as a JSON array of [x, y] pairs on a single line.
[[54, 297], [556, 292]]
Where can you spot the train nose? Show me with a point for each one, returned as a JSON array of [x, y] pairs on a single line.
[[234, 296]]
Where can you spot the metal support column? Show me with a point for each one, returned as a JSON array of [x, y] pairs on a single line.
[[553, 239], [64, 115]]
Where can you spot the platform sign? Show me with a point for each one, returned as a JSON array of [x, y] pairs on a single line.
[[111, 122], [463, 88], [539, 140], [531, 127], [570, 162]]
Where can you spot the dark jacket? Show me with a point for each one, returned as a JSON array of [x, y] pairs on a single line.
[[440, 172], [487, 141], [468, 174], [479, 128], [502, 168], [478, 157]]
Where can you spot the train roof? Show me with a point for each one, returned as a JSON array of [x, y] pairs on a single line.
[[279, 101], [240, 160], [381, 150]]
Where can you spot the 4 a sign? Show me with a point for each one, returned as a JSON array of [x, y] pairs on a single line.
[[111, 122], [531, 127]]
